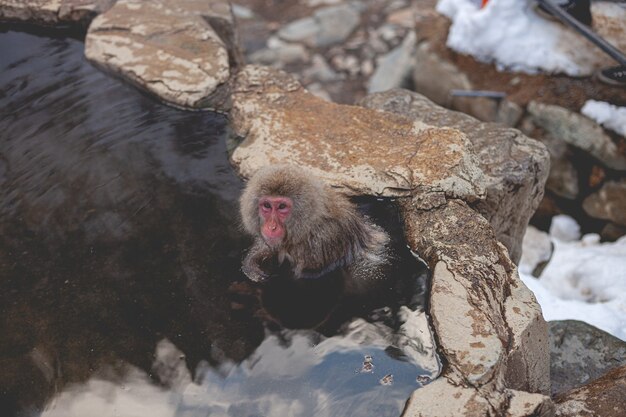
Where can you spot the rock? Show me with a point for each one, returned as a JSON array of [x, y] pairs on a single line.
[[603, 397], [578, 131], [52, 12], [357, 150], [536, 250], [436, 77], [280, 54], [610, 231], [394, 68], [516, 166], [301, 30], [608, 19], [609, 203], [242, 12], [580, 353], [319, 70], [328, 26], [563, 178], [182, 51], [317, 90], [475, 286]]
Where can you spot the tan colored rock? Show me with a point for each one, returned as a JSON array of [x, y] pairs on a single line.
[[52, 12], [603, 397], [578, 131], [475, 286], [609, 203], [358, 150], [608, 19], [515, 166], [182, 51], [488, 324]]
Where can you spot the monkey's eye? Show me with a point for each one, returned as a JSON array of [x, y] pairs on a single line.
[[267, 205], [282, 206]]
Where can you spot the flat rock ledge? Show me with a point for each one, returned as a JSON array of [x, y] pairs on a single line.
[[53, 12], [488, 324], [358, 150], [182, 51], [515, 167]]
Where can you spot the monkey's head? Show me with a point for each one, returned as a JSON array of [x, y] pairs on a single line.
[[281, 203]]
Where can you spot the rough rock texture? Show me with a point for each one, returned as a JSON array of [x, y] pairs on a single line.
[[488, 324], [182, 51], [515, 166], [359, 150], [609, 203], [578, 131], [52, 12], [580, 353], [603, 397]]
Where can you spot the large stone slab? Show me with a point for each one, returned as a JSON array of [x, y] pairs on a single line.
[[358, 150], [515, 166], [182, 51], [51, 12], [488, 324]]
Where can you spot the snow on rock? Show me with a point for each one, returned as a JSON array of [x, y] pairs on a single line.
[[608, 115], [583, 280], [510, 33]]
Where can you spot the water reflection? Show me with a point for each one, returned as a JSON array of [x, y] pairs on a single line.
[[119, 247]]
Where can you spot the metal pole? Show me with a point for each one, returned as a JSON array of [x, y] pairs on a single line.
[[566, 18]]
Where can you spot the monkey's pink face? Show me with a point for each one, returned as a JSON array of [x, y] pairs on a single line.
[[274, 212]]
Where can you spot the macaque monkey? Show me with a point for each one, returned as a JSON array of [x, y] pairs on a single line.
[[306, 230]]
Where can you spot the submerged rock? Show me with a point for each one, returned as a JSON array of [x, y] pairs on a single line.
[[53, 11], [182, 51], [515, 166]]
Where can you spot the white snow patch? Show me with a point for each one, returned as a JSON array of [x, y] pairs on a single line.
[[564, 228], [608, 115], [584, 280], [510, 33]]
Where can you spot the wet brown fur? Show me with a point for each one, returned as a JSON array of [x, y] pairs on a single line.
[[323, 232]]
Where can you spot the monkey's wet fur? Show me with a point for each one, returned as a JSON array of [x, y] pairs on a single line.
[[304, 228], [317, 259]]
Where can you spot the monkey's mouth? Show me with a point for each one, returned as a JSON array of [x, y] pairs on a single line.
[[273, 241]]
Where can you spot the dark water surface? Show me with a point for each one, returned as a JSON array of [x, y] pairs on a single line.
[[120, 285]]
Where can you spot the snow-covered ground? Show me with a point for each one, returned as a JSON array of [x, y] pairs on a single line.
[[610, 116], [511, 33], [583, 280]]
